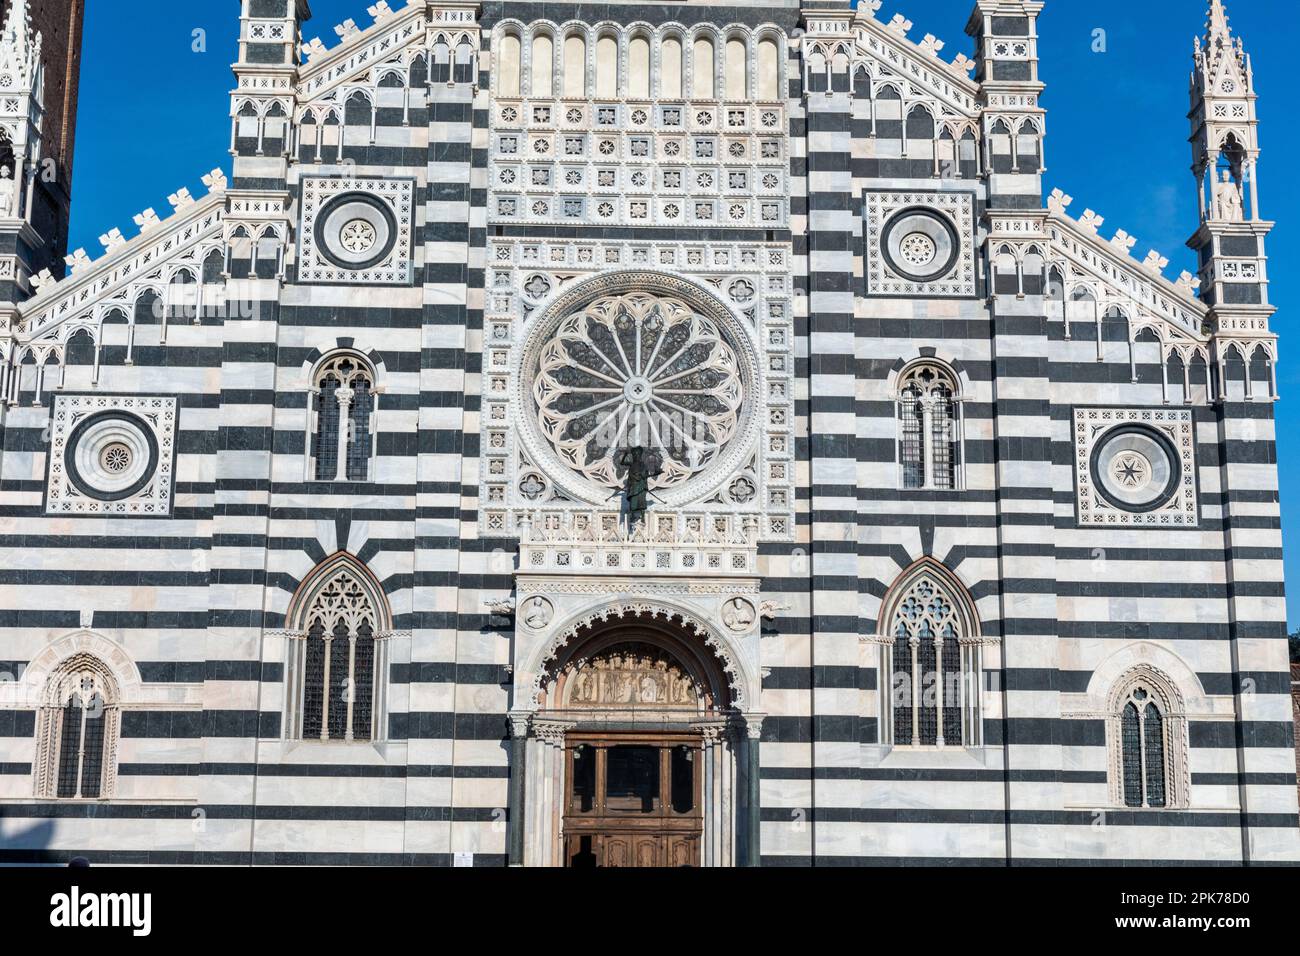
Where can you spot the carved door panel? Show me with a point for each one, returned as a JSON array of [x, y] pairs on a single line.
[[647, 850], [682, 850], [616, 850]]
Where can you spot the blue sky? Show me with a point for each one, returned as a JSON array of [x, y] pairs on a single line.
[[154, 117]]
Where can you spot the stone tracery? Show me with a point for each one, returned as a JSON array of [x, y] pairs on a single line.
[[638, 370]]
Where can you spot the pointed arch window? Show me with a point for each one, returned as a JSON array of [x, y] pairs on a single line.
[[930, 663], [929, 429], [338, 655], [343, 407], [1148, 743], [77, 732]]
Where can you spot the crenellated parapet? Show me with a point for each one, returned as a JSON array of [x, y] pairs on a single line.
[[166, 259], [1111, 263], [418, 28], [842, 48]]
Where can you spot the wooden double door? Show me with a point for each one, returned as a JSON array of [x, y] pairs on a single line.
[[633, 800]]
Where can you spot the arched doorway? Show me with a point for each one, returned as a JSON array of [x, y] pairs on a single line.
[[633, 747]]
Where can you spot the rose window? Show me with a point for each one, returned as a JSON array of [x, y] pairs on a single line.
[[918, 249], [116, 458], [358, 236], [638, 370], [1131, 470]]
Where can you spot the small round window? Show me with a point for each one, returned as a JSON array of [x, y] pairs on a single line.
[[111, 456], [356, 231], [1135, 468], [920, 244]]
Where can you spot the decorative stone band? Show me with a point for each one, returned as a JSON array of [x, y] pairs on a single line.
[[665, 543], [889, 639], [302, 635], [730, 728]]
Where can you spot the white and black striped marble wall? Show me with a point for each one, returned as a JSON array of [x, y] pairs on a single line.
[[197, 598]]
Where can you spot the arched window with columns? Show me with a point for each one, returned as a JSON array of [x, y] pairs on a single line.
[[337, 661], [77, 731], [343, 407], [1147, 736], [929, 428], [930, 662]]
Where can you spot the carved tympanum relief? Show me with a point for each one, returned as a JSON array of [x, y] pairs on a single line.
[[631, 675]]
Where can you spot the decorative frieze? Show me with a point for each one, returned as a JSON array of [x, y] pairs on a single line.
[[672, 544]]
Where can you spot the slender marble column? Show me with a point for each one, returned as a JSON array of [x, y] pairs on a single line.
[[518, 790], [753, 808]]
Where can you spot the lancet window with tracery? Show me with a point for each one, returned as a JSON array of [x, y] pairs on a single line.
[[931, 667], [77, 732], [929, 429], [337, 663], [1148, 735], [343, 403]]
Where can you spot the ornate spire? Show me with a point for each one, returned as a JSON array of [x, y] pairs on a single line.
[[1219, 44], [19, 19], [20, 47], [1216, 23]]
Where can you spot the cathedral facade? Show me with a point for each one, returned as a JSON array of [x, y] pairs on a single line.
[[639, 434]]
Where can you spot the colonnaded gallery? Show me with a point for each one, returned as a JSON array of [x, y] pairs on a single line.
[[647, 433]]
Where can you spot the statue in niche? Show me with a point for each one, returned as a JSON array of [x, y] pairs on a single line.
[[1227, 199], [6, 193]]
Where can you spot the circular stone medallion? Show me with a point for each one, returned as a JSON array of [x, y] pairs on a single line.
[[111, 456], [355, 231], [920, 244], [1135, 468], [358, 236]]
